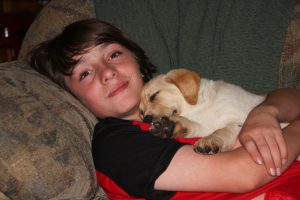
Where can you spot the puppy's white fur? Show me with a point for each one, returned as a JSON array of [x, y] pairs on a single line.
[[213, 110]]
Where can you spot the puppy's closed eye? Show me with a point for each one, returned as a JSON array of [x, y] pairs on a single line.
[[152, 97]]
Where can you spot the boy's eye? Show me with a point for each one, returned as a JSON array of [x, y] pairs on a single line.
[[84, 74], [115, 54]]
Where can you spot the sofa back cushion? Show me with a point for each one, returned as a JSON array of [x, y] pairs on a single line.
[[238, 41]]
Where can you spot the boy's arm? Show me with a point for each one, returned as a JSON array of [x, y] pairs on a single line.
[[261, 134], [232, 171]]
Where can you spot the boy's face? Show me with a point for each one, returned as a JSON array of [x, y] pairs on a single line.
[[107, 81]]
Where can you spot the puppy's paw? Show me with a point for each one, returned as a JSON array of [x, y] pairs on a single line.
[[168, 128], [163, 128], [209, 145]]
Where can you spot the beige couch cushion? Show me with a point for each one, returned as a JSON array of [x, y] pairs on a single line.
[[45, 138], [56, 14]]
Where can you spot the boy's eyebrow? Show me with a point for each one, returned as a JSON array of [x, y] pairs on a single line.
[[80, 61]]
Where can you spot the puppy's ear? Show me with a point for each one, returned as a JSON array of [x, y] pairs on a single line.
[[188, 82]]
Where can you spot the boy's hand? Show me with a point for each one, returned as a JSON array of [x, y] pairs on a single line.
[[261, 135]]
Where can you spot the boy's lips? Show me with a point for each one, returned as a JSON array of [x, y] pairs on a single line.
[[121, 87]]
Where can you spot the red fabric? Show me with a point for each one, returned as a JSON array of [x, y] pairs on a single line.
[[112, 190], [143, 126], [285, 187]]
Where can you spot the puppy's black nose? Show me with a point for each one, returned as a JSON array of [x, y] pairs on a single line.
[[148, 118]]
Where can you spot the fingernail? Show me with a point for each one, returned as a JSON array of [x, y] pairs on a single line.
[[284, 161], [259, 161], [278, 171], [272, 171]]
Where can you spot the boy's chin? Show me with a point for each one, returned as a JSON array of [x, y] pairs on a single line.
[[129, 112]]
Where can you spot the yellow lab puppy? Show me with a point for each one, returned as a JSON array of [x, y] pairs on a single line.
[[213, 110]]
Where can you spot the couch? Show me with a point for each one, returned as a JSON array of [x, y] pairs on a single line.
[[45, 133]]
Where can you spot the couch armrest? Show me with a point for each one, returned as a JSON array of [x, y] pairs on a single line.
[[45, 138], [289, 67]]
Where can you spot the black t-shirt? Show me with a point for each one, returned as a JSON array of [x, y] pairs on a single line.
[[131, 157]]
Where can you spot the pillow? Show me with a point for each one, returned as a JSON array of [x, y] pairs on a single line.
[[51, 20], [45, 138]]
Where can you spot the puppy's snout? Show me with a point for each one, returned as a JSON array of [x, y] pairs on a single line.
[[148, 119]]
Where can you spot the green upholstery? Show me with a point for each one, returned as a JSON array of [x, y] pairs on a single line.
[[221, 39]]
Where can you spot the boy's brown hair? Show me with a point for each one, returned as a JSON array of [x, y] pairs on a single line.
[[55, 58]]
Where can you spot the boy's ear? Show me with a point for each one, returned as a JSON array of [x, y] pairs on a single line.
[[188, 82]]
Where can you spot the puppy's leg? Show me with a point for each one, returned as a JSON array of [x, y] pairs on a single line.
[[188, 127], [170, 127], [179, 127], [219, 141]]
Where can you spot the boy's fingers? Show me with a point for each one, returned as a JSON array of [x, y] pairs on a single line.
[[253, 151], [275, 155], [282, 148], [265, 152]]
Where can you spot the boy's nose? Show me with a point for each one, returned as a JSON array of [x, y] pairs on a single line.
[[108, 73]]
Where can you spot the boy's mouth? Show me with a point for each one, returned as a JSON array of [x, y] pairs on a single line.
[[120, 88]]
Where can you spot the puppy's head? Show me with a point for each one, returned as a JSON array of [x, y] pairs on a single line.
[[165, 95]]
